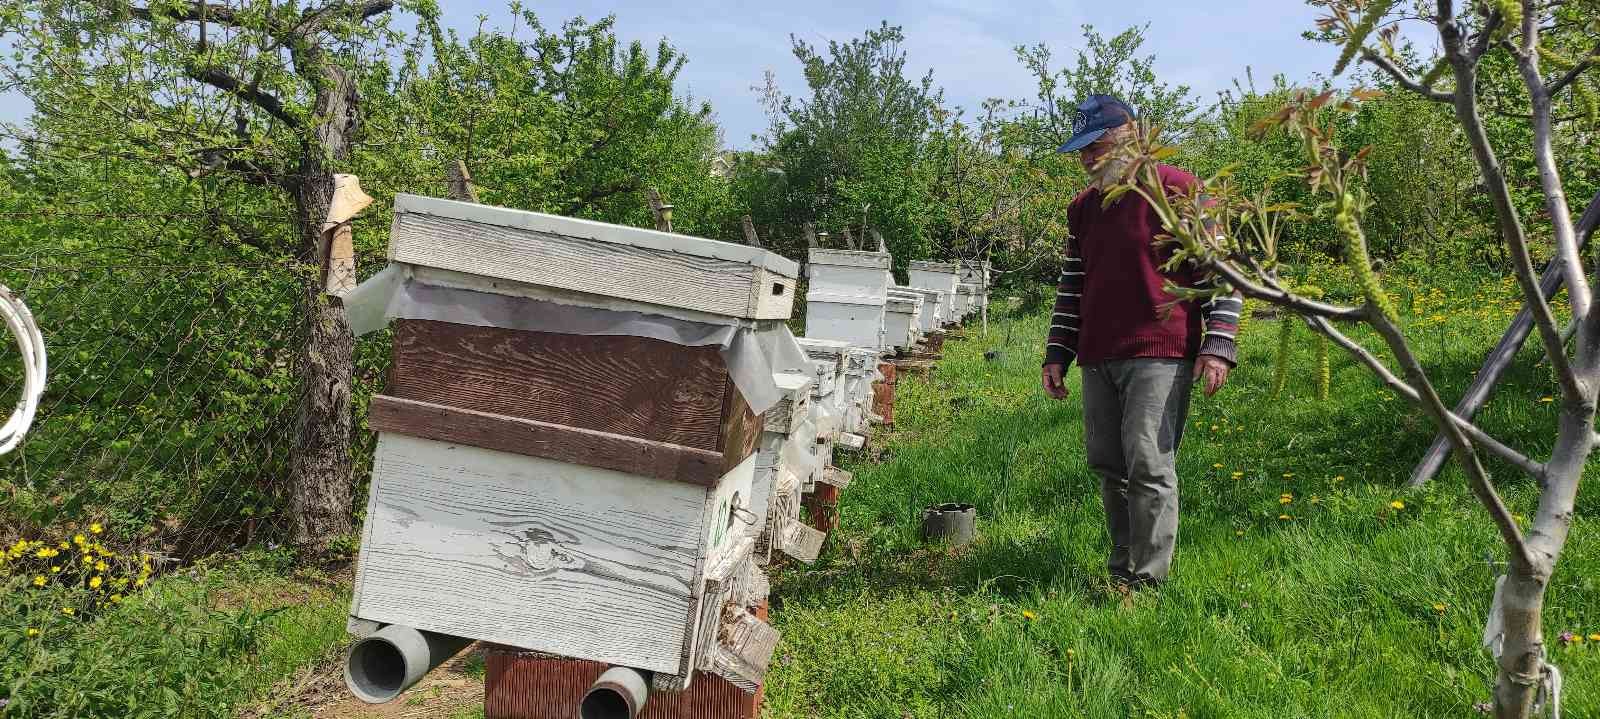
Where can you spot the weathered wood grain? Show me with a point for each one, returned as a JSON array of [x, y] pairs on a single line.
[[634, 386], [794, 405], [578, 561], [602, 450], [609, 260]]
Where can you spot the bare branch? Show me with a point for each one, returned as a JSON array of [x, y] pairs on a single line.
[[1555, 195], [1404, 78], [1510, 223]]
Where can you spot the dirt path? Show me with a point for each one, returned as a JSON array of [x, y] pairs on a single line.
[[453, 691]]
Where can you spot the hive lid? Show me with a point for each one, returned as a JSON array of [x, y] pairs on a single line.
[[842, 299], [902, 304], [849, 258], [931, 266], [596, 231]]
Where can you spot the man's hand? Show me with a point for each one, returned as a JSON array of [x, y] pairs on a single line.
[[1213, 371], [1055, 384]]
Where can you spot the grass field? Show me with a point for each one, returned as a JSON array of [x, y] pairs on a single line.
[[1300, 589]]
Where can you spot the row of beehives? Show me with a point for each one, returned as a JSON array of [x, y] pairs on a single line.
[[590, 440]]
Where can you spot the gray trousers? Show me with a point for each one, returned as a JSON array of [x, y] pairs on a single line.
[[1133, 416]]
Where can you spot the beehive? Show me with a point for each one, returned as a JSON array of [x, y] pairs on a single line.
[[784, 465], [565, 462], [846, 296], [932, 316], [942, 276], [902, 319]]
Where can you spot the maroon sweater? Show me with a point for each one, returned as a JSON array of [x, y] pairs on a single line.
[[1112, 303]]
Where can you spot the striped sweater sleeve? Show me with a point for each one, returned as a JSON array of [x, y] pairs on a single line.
[[1062, 346], [1222, 327]]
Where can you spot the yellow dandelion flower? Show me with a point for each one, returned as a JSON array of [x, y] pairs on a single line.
[[1315, 499], [1214, 428], [1217, 466], [96, 528], [1237, 475], [139, 582], [1238, 533], [78, 539], [55, 569], [1547, 400], [95, 582], [1594, 637], [116, 598], [1397, 504], [69, 611], [1339, 478], [100, 566], [1440, 607], [33, 632], [64, 545], [1285, 517], [1030, 616], [38, 581], [1288, 475]]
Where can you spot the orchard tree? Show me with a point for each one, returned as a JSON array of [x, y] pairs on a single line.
[[256, 101], [845, 149], [1235, 235]]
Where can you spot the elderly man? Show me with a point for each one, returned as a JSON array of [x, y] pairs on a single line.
[[1139, 349]]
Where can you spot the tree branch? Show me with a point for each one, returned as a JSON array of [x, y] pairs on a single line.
[[268, 103], [195, 12], [1284, 298], [1583, 66], [1404, 78], [1400, 387], [1521, 556], [1510, 224]]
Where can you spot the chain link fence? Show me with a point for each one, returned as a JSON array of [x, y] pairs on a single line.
[[170, 406]]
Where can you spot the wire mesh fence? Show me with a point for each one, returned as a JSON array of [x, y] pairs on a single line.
[[170, 409]]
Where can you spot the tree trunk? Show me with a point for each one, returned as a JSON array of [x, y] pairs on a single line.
[[320, 486], [1522, 654]]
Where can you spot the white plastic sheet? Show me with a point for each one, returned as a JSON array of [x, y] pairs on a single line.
[[394, 293]]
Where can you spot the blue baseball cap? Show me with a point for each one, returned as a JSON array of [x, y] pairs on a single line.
[[1095, 115]]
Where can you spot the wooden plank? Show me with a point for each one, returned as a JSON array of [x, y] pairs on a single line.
[[578, 561], [848, 258], [745, 647], [795, 404], [634, 386], [741, 427], [511, 288], [802, 543], [835, 477], [530, 438]]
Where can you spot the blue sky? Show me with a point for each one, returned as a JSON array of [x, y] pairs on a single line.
[[967, 44]]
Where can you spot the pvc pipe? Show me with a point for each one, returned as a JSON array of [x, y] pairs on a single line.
[[384, 664], [620, 693]]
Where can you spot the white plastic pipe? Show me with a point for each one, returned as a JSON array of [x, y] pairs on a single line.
[[385, 663], [620, 693], [34, 367]]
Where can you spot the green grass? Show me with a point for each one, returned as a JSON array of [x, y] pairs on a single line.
[[200, 643], [1329, 613]]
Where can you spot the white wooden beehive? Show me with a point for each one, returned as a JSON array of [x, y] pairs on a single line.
[[568, 494], [902, 319], [942, 276]]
